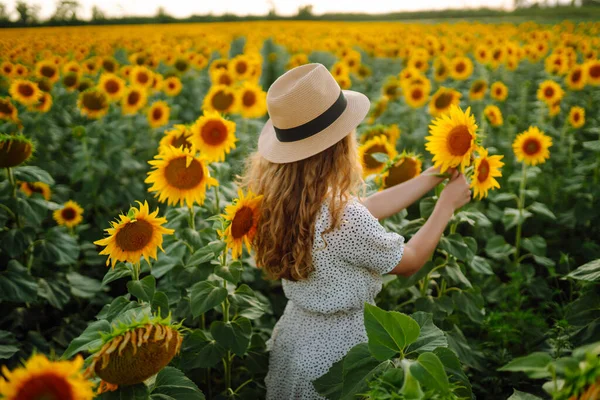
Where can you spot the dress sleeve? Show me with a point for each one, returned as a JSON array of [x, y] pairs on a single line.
[[366, 243]]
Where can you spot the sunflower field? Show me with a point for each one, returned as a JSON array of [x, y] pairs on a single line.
[[126, 267]]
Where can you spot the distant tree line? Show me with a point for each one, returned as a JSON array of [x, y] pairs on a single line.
[[67, 13]]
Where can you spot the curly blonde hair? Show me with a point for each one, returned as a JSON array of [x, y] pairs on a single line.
[[292, 197]]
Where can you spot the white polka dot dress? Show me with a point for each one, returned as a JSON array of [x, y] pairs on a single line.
[[323, 318]]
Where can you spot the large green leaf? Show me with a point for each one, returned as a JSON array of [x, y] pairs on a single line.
[[589, 272], [470, 304], [247, 304], [143, 289], [497, 247], [120, 270], [231, 272], [116, 308], [133, 392], [454, 274], [160, 302], [200, 350], [517, 395], [481, 266], [430, 372], [59, 247], [541, 209], [88, 340], [83, 286], [172, 384], [513, 216], [17, 285], [7, 351], [14, 243], [455, 246], [169, 259], [234, 335], [535, 365], [454, 371], [389, 332], [31, 173], [56, 292], [205, 296], [205, 254], [430, 338], [331, 384]]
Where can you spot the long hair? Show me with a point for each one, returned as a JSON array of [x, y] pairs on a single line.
[[293, 194]]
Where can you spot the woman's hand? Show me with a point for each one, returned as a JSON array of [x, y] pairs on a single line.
[[456, 193]]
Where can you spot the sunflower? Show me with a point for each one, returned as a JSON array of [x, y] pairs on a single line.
[[409, 73], [390, 132], [213, 136], [21, 71], [40, 378], [44, 103], [478, 89], [442, 100], [378, 109], [352, 60], [220, 98], [461, 68], [30, 188], [493, 115], [576, 78], [340, 69], [71, 66], [297, 60], [141, 76], [14, 150], [419, 62], [556, 64], [172, 86], [252, 100], [441, 69], [241, 67], [378, 144], [364, 72], [487, 168], [416, 96], [134, 351], [554, 108], [48, 70], [499, 91], [243, 215], [7, 69], [407, 166], [70, 81], [550, 92], [109, 64], [69, 215], [157, 82], [112, 85], [158, 114], [179, 177], [218, 64], [91, 66], [125, 71], [577, 117], [178, 136], [453, 139], [8, 111], [134, 98], [25, 92], [593, 72], [137, 234], [532, 146], [391, 88], [93, 103]]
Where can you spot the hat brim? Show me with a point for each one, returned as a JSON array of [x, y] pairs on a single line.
[[285, 152]]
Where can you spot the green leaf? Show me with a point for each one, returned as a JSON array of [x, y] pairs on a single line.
[[59, 247], [454, 371], [430, 338], [331, 384], [593, 145], [205, 296], [500, 197], [133, 392], [234, 335], [541, 209], [172, 384], [380, 157], [247, 304], [406, 282], [31, 173], [411, 388], [481, 266], [32, 210], [88, 340], [497, 247], [535, 365], [517, 395], [430, 372], [143, 289], [512, 216], [7, 351], [14, 243], [467, 303], [169, 259], [205, 254], [426, 207], [83, 286], [231, 273], [455, 246], [160, 301], [17, 285], [589, 272], [121, 270], [56, 292], [200, 350], [116, 308], [535, 245], [454, 273], [389, 332]]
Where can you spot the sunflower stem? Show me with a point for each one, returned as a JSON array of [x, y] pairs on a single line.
[[192, 218], [135, 272], [216, 188], [571, 140], [13, 183], [521, 207]]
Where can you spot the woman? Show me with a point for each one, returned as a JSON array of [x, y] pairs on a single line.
[[315, 234]]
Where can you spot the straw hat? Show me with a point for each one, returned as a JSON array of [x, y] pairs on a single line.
[[308, 114]]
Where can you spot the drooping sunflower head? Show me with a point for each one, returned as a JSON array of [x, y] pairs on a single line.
[[70, 215], [112, 85], [576, 78], [532, 146], [487, 168], [242, 216], [134, 98], [213, 136], [390, 132], [14, 150], [8, 111], [141, 76], [493, 115], [179, 177], [25, 92], [550, 92], [47, 69], [379, 144], [40, 378], [442, 100], [452, 139], [220, 98], [407, 166], [499, 91], [139, 233], [252, 100], [134, 351], [177, 137], [478, 89], [172, 86], [93, 103], [577, 116], [461, 68], [42, 188], [158, 114]]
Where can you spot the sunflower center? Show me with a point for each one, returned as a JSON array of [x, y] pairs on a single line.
[[443, 101], [478, 87], [249, 99], [214, 133], [417, 94], [549, 92], [459, 140], [181, 141], [111, 86], [133, 98], [181, 65], [441, 70], [48, 71], [531, 146], [68, 214], [25, 89], [405, 170], [576, 117], [497, 54], [108, 65], [94, 101], [370, 162], [171, 85], [242, 222], [391, 90], [135, 235], [182, 177], [157, 113], [34, 188], [7, 69], [576, 76], [222, 101], [225, 79], [6, 107], [143, 77], [595, 71], [498, 91], [47, 386], [70, 80], [241, 67], [483, 171], [460, 67]]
